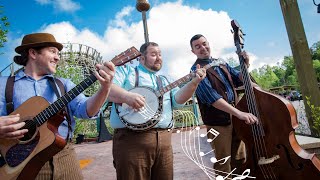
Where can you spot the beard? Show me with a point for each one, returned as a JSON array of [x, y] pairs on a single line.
[[153, 67], [156, 68]]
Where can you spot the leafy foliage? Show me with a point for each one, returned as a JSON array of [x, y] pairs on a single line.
[[284, 73], [4, 25], [315, 51], [315, 113], [70, 67]]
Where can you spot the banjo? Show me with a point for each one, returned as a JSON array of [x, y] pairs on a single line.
[[150, 115]]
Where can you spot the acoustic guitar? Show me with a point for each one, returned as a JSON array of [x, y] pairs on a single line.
[[25, 157]]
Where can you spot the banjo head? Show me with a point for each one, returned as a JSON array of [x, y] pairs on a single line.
[[145, 118]]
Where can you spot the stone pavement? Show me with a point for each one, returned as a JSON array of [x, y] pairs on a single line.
[[97, 158]]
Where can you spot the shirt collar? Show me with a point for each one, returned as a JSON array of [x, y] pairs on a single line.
[[21, 75]]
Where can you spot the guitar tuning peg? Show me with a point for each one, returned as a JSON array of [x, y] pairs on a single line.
[[231, 31], [131, 62]]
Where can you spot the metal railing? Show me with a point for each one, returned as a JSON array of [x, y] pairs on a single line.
[[11, 69]]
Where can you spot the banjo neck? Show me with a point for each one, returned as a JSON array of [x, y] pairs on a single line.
[[186, 78]]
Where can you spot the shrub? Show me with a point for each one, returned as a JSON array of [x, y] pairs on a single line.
[[315, 113]]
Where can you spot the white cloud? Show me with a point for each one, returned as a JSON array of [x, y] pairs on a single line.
[[61, 5], [170, 24], [119, 20]]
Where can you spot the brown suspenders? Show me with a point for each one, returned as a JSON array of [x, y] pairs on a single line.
[[9, 94]]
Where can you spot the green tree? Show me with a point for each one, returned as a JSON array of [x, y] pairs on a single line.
[[256, 76], [265, 77], [315, 51], [71, 67], [316, 66], [290, 75], [279, 72], [4, 25]]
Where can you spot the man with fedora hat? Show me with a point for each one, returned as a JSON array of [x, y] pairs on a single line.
[[39, 54]]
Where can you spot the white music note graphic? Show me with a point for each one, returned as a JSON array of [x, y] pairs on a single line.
[[214, 160], [219, 177], [214, 132], [203, 154], [244, 175], [197, 149]]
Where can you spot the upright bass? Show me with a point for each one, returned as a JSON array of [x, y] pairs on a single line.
[[272, 149]]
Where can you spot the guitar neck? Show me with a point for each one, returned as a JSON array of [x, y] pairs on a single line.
[[64, 100], [176, 83], [180, 81]]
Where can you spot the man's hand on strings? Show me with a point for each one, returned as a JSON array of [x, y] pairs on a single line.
[[248, 118], [105, 74], [135, 101], [10, 127]]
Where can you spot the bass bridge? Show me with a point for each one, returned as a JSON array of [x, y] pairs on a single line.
[[264, 161]]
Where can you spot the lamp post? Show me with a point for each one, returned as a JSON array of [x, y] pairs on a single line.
[[143, 6]]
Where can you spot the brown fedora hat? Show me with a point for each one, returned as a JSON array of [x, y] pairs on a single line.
[[38, 40]]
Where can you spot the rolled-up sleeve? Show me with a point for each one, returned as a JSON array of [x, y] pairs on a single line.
[[174, 102], [121, 75]]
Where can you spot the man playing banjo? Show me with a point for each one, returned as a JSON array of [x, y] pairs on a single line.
[[142, 145]]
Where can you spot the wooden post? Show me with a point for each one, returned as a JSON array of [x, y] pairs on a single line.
[[301, 55]]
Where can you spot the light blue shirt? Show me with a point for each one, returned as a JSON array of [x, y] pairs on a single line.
[[125, 77], [26, 87]]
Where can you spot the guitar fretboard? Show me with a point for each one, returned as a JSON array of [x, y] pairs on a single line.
[[64, 100]]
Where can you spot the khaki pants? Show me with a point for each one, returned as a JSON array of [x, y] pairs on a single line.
[[226, 144], [63, 166], [143, 155]]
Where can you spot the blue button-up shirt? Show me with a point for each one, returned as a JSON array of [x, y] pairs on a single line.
[[26, 87], [206, 94], [125, 77]]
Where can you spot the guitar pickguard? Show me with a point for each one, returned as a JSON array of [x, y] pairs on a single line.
[[19, 152]]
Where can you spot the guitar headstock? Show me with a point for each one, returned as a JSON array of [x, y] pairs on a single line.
[[126, 56], [237, 34]]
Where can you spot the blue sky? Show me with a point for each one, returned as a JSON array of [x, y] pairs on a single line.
[[112, 26]]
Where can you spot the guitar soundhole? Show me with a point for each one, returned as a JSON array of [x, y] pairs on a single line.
[[32, 129]]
